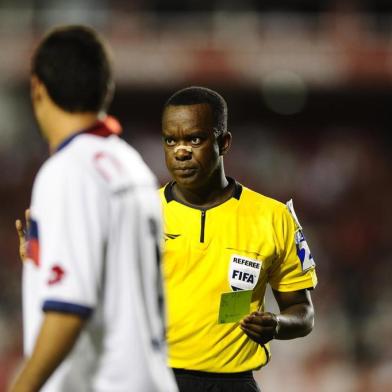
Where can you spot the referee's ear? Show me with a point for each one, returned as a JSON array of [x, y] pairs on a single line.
[[225, 142]]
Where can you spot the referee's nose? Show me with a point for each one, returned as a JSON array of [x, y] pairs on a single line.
[[183, 154]]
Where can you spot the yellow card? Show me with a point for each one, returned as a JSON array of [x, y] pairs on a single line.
[[234, 306]]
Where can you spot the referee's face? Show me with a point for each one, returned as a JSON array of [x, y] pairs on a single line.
[[191, 147]]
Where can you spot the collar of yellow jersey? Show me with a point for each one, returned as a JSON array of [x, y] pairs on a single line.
[[169, 196]]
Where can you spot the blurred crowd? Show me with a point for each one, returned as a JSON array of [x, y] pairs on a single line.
[[340, 182], [339, 178]]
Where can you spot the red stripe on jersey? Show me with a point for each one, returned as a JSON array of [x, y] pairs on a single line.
[[33, 242], [104, 128], [112, 124], [33, 250]]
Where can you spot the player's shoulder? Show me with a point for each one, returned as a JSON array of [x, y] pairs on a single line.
[[104, 156], [67, 159], [56, 173], [53, 168]]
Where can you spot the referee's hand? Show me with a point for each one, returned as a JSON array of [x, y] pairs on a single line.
[[21, 231], [259, 326]]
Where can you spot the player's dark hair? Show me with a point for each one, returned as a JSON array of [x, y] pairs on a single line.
[[197, 95], [73, 64]]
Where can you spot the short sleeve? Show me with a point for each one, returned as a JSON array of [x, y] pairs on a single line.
[[68, 213], [294, 268]]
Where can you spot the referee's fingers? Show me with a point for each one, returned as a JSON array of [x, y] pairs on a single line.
[[260, 338], [258, 318]]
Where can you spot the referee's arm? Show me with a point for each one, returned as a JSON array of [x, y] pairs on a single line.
[[295, 320], [57, 336]]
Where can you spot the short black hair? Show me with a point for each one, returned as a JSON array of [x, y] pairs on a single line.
[[73, 64], [197, 95]]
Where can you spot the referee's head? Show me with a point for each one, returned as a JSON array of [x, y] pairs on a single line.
[[195, 95], [73, 64], [195, 138]]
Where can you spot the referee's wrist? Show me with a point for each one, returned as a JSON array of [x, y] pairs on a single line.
[[277, 327]]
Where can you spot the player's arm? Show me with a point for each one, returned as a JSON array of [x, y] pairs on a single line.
[[57, 336], [295, 320]]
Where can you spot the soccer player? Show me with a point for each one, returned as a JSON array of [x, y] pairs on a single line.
[[221, 237], [92, 304]]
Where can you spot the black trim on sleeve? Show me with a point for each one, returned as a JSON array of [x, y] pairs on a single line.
[[66, 307]]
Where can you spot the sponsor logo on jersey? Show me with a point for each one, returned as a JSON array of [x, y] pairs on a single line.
[[168, 236], [33, 242], [244, 272], [56, 274], [303, 251]]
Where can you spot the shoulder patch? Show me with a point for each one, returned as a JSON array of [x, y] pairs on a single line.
[[303, 250], [290, 207]]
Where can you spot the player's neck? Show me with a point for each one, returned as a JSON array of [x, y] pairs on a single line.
[[209, 195], [61, 125]]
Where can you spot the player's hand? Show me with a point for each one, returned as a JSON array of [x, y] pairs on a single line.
[[22, 230], [259, 326]]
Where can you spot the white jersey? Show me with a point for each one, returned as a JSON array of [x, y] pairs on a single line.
[[94, 249]]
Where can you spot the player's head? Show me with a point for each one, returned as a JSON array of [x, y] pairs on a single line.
[[73, 65], [194, 126]]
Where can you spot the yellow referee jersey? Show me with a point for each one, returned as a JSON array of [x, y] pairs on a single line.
[[244, 243]]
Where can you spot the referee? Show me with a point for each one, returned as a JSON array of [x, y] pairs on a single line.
[[223, 244]]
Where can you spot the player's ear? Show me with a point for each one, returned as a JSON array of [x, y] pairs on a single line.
[[225, 142], [37, 89]]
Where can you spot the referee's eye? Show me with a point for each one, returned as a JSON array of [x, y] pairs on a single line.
[[169, 141], [196, 141]]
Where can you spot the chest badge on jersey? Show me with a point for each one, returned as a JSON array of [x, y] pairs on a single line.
[[244, 272]]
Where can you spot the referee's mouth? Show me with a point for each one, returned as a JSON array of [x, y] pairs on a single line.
[[185, 171]]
